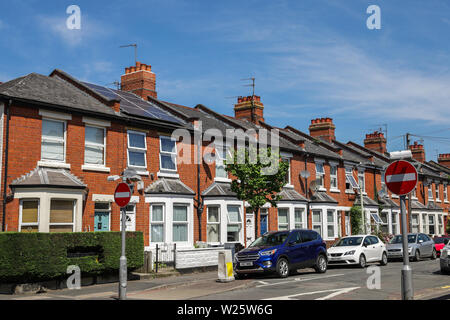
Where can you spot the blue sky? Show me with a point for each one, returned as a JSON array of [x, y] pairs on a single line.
[[311, 58]]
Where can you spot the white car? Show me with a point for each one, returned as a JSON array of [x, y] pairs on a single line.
[[358, 250], [445, 259]]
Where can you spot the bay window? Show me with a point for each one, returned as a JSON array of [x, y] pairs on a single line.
[[213, 224], [425, 223], [384, 226], [431, 227], [348, 226], [283, 219], [317, 221], [137, 149], [53, 140], [61, 215], [330, 223], [299, 219], [157, 223], [180, 223], [234, 223], [29, 216], [394, 223], [415, 223]]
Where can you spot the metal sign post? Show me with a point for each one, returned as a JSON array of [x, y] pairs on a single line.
[[401, 178], [123, 260], [407, 286]]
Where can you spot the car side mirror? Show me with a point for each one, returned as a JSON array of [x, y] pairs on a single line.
[[420, 241]]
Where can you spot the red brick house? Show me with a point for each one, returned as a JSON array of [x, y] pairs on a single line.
[[62, 138]]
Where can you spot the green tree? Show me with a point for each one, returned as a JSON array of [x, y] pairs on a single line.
[[356, 220], [258, 177]]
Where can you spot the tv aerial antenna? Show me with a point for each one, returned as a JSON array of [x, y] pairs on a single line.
[[253, 94], [135, 50]]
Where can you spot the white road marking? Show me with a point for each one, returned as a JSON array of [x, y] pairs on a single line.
[[336, 292], [299, 280], [263, 282]]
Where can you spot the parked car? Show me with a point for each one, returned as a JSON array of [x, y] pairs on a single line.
[[358, 250], [282, 252], [419, 246], [445, 259], [440, 243]]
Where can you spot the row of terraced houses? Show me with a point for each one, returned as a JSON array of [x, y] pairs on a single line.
[[61, 138]]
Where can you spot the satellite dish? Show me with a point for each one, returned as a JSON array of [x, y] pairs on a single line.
[[314, 185], [304, 174], [382, 193]]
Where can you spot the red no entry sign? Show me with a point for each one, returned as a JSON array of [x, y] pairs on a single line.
[[122, 195], [400, 177]]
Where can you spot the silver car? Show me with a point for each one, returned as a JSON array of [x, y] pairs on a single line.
[[445, 259], [419, 246]]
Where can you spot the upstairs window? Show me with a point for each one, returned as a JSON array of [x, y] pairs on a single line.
[[333, 177], [287, 178], [362, 181], [445, 193], [53, 140], [436, 188], [94, 146], [350, 183], [168, 154], [221, 157], [137, 149], [320, 173], [430, 193]]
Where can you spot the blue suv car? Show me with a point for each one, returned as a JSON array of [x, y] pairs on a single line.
[[282, 252]]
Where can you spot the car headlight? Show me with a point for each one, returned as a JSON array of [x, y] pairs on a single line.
[[268, 252], [348, 253], [410, 249]]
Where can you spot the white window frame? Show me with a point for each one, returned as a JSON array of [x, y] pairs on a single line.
[[332, 223], [303, 216], [430, 193], [220, 162], [440, 223], [415, 225], [334, 176], [50, 224], [320, 223], [425, 228], [287, 217], [320, 175], [173, 155], [348, 224], [348, 175], [104, 210], [134, 205], [216, 223], [437, 192], [186, 223], [136, 149], [34, 224], [445, 193], [95, 145], [288, 160], [395, 226], [233, 223], [158, 223], [382, 223], [64, 140], [362, 174]]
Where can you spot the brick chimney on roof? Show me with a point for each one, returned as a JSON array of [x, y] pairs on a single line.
[[322, 128], [249, 108], [418, 152], [444, 159], [375, 141], [140, 80]]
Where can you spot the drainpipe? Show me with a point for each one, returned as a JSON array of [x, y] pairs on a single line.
[[5, 180], [199, 200], [306, 191]]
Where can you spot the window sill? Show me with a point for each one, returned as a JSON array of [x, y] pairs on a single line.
[[140, 171], [446, 201], [288, 186], [322, 189], [218, 179], [88, 167], [335, 190], [349, 191], [168, 175], [51, 164], [438, 201]]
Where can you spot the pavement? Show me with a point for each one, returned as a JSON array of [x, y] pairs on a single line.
[[338, 283]]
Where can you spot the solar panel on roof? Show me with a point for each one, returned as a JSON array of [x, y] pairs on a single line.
[[132, 104]]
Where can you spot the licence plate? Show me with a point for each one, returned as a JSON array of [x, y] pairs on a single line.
[[246, 264]]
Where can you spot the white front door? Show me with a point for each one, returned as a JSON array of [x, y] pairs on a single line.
[[250, 225]]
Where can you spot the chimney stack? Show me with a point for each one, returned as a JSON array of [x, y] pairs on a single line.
[[139, 80], [376, 142], [418, 152], [444, 160], [322, 128], [243, 109]]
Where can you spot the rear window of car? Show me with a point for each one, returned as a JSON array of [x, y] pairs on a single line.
[[441, 240]]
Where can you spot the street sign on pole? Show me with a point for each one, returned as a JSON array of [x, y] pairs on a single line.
[[122, 197], [401, 178]]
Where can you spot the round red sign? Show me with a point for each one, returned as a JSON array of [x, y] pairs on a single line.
[[401, 177], [122, 195]]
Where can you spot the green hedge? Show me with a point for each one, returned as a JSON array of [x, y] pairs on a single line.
[[28, 257]]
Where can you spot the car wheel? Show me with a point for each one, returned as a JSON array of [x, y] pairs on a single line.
[[433, 255], [417, 255], [283, 268], [321, 264], [362, 261], [384, 259]]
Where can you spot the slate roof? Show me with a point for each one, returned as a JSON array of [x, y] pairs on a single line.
[[433, 206], [321, 196], [169, 186], [367, 201], [53, 91], [48, 177], [289, 194], [219, 189], [388, 202], [417, 205]]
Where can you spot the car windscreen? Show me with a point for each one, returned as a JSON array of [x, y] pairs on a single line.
[[270, 240], [348, 242], [398, 239]]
